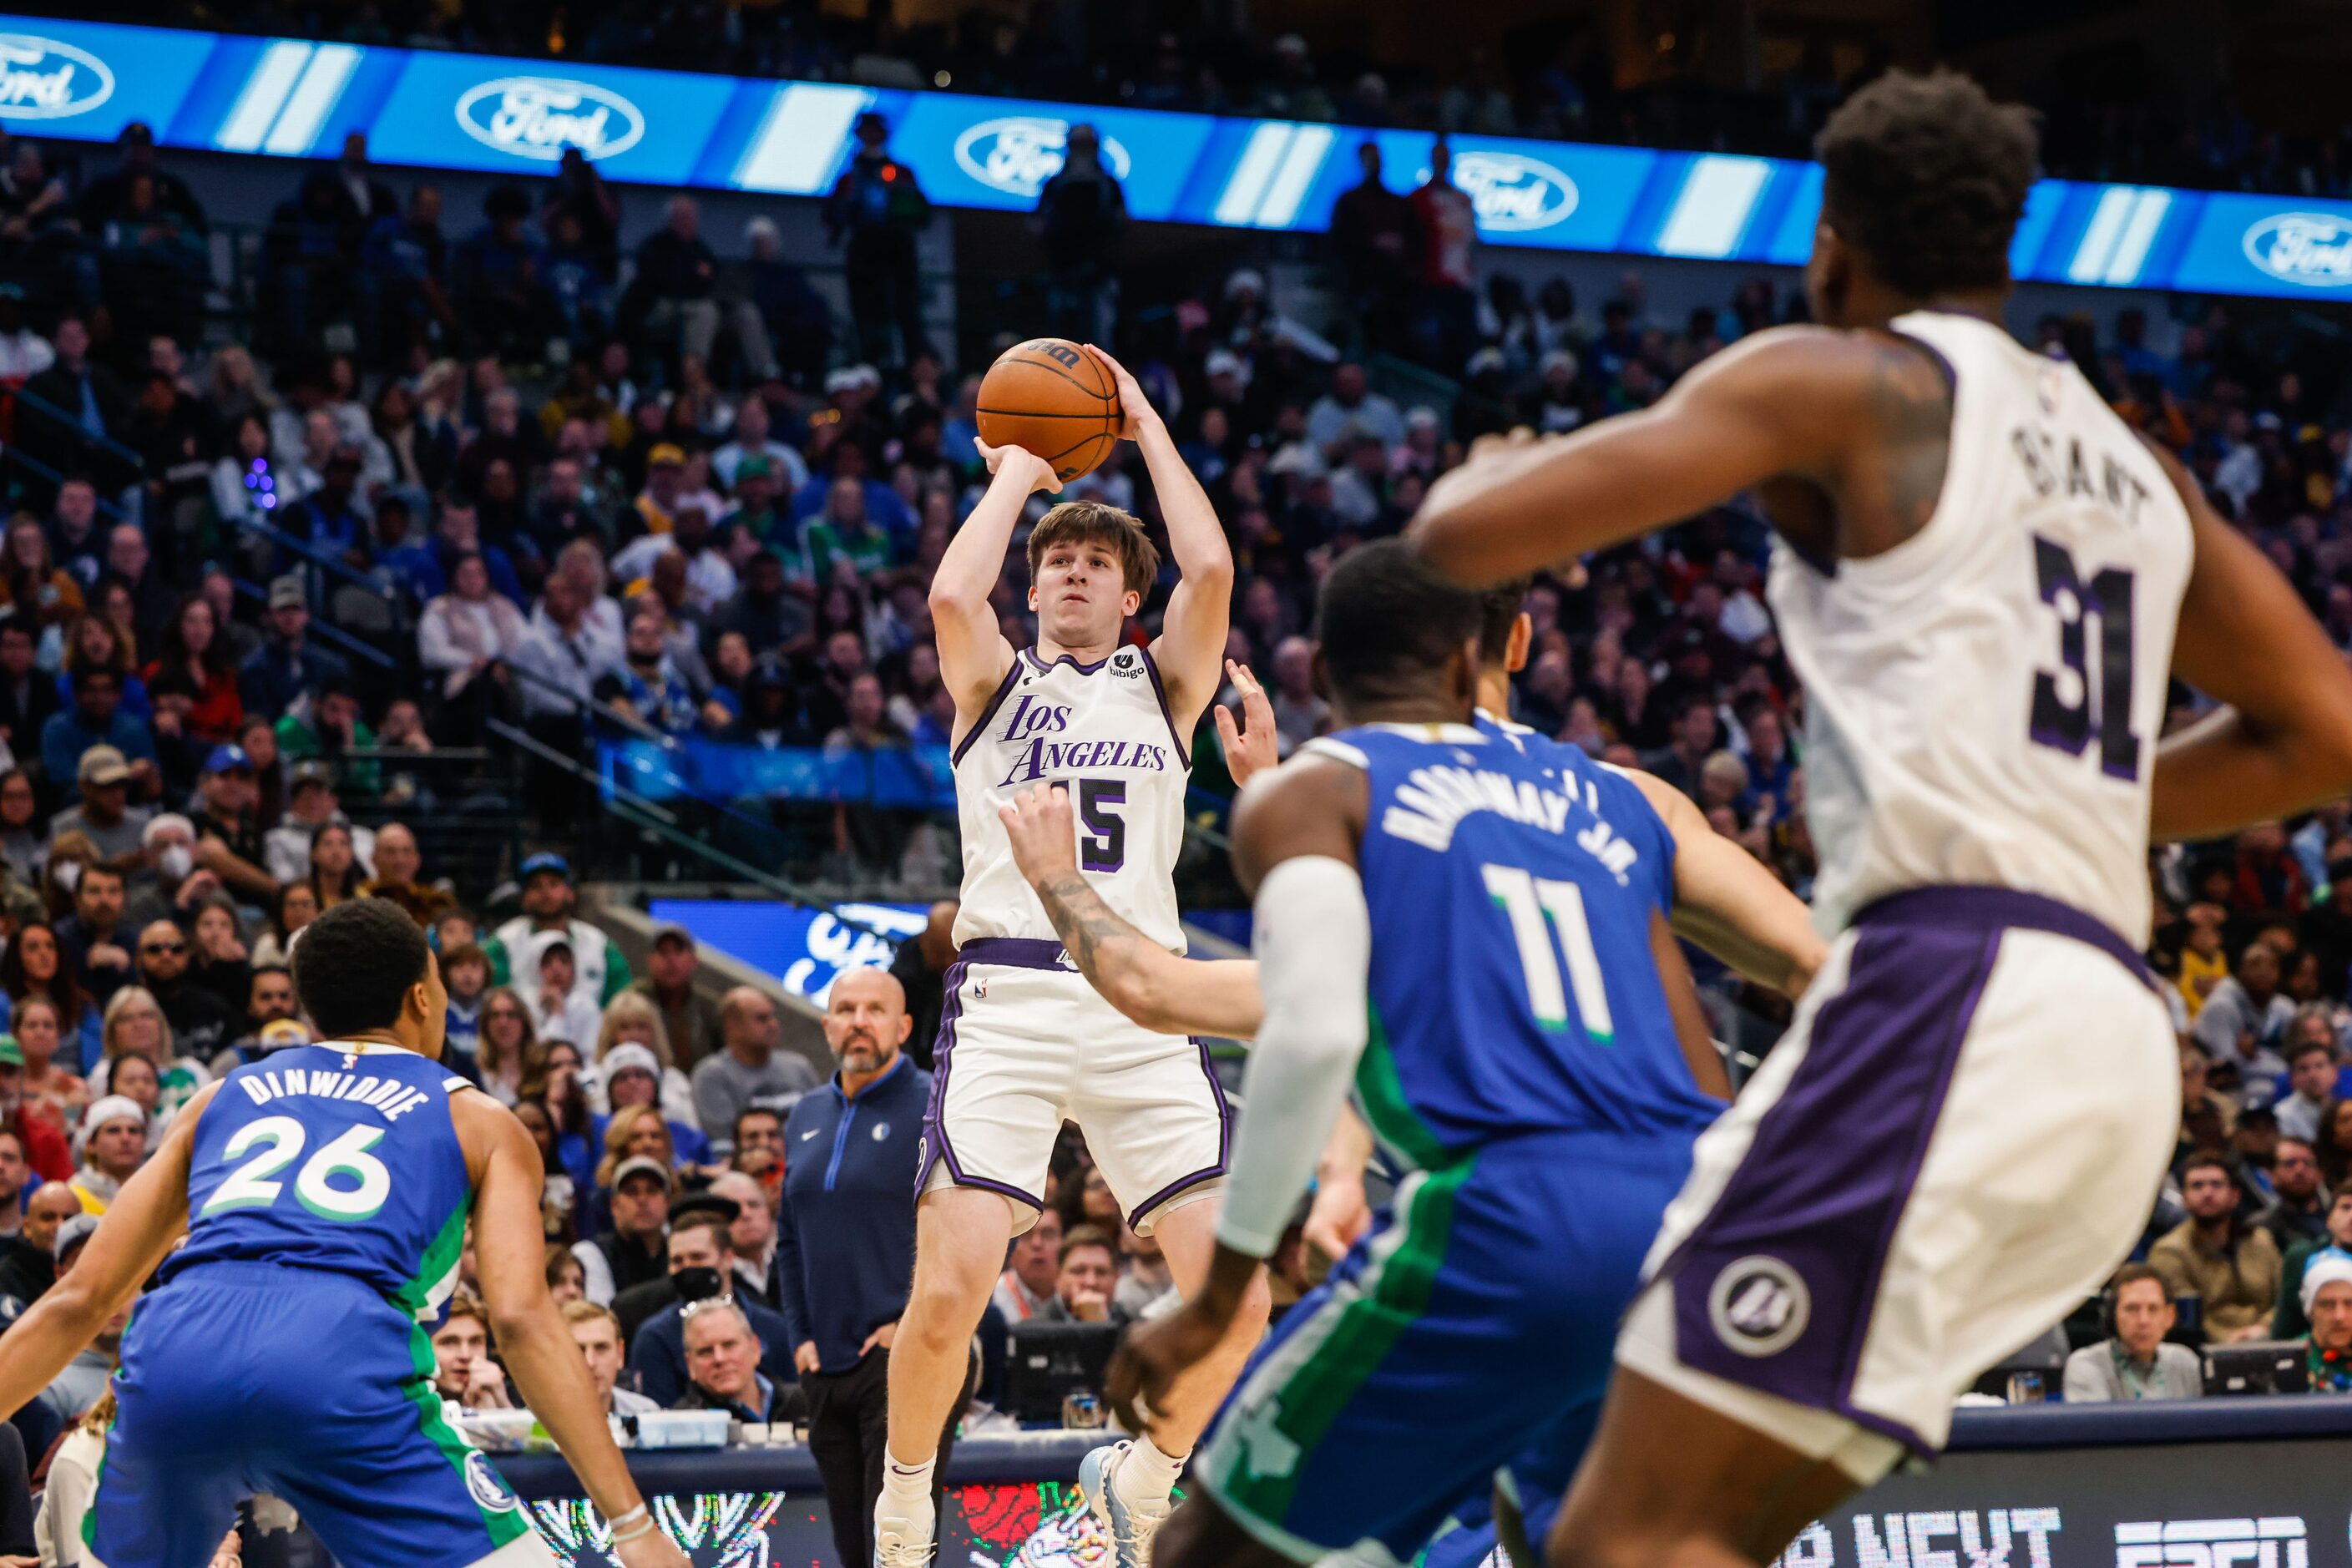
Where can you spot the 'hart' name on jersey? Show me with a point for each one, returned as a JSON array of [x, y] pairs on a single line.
[[1034, 722]]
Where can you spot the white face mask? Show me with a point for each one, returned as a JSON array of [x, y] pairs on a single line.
[[68, 875], [176, 862]]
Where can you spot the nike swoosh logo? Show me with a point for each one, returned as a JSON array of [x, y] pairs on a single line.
[[809, 1134]]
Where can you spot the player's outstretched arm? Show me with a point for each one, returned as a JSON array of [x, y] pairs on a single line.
[[1191, 640], [1150, 984], [2283, 743], [510, 1247], [1295, 837], [973, 654], [1728, 903], [1785, 401], [145, 1218]]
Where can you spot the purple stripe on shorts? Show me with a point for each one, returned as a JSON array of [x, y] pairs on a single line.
[[1776, 1286], [1016, 953], [1979, 909], [1224, 1144], [935, 1121]]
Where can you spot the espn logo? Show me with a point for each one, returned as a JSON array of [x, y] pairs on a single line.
[[2213, 1544]]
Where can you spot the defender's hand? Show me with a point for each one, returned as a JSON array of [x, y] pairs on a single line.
[[1255, 744], [1043, 832], [1153, 1358], [1339, 1216]]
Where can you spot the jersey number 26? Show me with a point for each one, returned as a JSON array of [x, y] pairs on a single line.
[[248, 1186]]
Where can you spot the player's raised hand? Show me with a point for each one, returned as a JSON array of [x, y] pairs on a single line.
[[1131, 401], [1045, 839], [1022, 465], [1254, 745]]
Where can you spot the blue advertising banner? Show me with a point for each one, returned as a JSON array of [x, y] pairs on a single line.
[[803, 948], [295, 98]]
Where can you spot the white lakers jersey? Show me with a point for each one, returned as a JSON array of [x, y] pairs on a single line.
[[1982, 700], [1104, 731]]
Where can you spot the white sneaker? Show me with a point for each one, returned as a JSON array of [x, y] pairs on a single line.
[[896, 1544], [1131, 1526]]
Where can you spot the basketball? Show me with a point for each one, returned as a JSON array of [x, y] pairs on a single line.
[[1050, 397]]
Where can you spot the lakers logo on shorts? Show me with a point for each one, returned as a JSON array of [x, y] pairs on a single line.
[[1758, 1306], [487, 1487]]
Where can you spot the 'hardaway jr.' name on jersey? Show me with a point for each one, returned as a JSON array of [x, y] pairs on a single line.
[[338, 1158], [1983, 701], [1104, 731], [1513, 984]]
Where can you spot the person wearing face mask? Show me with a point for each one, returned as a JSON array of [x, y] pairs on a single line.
[[701, 1267], [174, 885]]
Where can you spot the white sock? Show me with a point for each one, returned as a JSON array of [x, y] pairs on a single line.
[[906, 1497], [1146, 1475]]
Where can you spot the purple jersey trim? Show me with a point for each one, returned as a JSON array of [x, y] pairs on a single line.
[[1225, 1145], [1160, 689], [1015, 952], [987, 715], [1957, 907]]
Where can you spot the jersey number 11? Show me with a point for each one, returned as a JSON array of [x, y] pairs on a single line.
[[1536, 908]]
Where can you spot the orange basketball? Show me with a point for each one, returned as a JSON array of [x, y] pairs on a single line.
[[1052, 399]]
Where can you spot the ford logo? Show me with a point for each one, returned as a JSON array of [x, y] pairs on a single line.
[[1511, 193], [538, 117], [2313, 250], [41, 78], [1018, 155]]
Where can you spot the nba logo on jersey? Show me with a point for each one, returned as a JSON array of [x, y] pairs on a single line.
[[1758, 1306]]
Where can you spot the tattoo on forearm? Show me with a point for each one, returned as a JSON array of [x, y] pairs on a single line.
[[1083, 921]]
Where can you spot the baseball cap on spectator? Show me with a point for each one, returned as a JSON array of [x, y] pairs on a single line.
[[285, 592], [665, 455], [311, 773], [1421, 416], [1299, 458], [718, 1203], [1223, 362], [102, 766], [640, 1165], [76, 1229], [2328, 1267], [754, 466], [1244, 280], [12, 1055], [546, 861], [228, 759], [629, 1057], [672, 935]]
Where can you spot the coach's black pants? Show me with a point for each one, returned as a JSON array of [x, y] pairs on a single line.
[[849, 1418]]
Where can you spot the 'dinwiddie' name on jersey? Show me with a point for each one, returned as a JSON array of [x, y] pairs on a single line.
[[387, 1097], [1426, 809]]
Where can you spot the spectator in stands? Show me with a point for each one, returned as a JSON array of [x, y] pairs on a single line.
[[702, 1269], [920, 966], [631, 1250], [1376, 240], [297, 905], [1085, 1279], [2298, 1209], [875, 211], [2287, 1321], [91, 397], [56, 1093], [506, 1041], [97, 953], [559, 1011], [677, 273], [466, 973], [598, 1332], [1026, 1287], [193, 653], [115, 830], [646, 685], [83, 1382], [631, 1018], [113, 1145], [688, 1019], [2242, 1023], [628, 1076], [269, 999], [2135, 1361], [846, 1238], [28, 697], [750, 1066], [723, 1356], [312, 804], [463, 1371], [753, 1238], [2327, 1304], [42, 1144], [601, 971], [2230, 1267], [96, 726], [467, 636], [135, 1026], [28, 1264], [22, 352], [201, 1025], [287, 667]]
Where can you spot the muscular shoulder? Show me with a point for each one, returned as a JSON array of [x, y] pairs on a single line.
[[1825, 377], [485, 1129], [1314, 804]]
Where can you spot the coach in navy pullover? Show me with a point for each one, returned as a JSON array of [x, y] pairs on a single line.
[[845, 1240]]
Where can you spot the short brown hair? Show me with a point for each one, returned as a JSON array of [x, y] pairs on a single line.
[[1094, 521], [2132, 1274], [463, 1303], [1086, 1236], [590, 1312]]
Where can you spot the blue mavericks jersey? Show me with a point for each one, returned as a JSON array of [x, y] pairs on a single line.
[[1512, 888], [338, 1158]]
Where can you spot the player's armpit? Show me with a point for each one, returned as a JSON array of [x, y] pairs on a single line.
[[1314, 804], [2284, 741], [1728, 902], [1784, 402], [140, 1225]]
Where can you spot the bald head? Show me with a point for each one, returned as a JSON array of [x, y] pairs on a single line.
[[866, 1022], [748, 1020], [397, 855]]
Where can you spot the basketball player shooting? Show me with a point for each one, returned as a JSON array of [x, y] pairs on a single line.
[[1984, 579], [1025, 1042]]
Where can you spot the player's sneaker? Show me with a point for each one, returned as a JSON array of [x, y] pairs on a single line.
[[1130, 1525], [896, 1544]]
